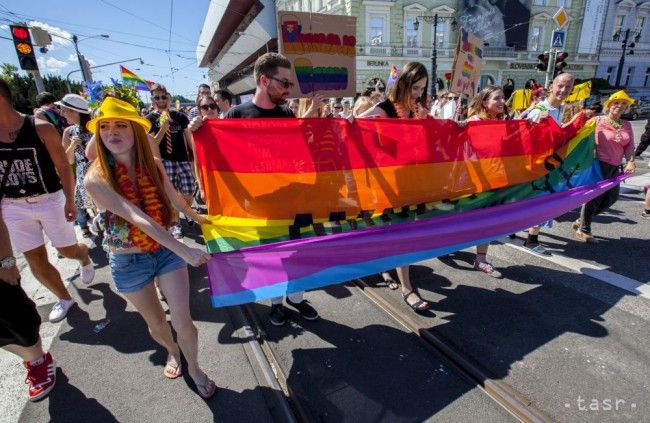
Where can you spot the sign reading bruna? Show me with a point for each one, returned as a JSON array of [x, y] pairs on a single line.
[[322, 50]]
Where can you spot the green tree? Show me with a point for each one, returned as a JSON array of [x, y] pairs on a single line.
[[23, 87]]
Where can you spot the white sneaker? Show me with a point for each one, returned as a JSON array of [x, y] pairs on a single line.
[[60, 310], [87, 272]]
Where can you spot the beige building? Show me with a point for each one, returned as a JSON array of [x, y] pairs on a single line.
[[387, 34]]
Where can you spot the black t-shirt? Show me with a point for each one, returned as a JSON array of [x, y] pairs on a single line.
[[177, 123], [388, 107], [250, 110]]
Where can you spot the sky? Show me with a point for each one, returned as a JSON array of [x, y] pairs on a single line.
[[164, 33]]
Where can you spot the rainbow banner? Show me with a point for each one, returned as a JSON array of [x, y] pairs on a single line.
[[312, 202], [130, 78]]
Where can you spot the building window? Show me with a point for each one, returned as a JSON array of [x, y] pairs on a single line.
[[618, 24], [564, 3], [630, 71], [442, 34], [536, 37], [539, 2], [377, 30], [610, 71], [638, 25], [646, 81], [411, 36]]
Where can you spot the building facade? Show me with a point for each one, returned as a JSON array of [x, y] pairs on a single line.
[[632, 68], [395, 32]]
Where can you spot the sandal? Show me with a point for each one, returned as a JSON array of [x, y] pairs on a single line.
[[585, 237], [207, 389], [172, 369], [390, 282], [419, 306]]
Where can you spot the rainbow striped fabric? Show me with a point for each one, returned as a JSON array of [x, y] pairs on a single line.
[[305, 203], [130, 78]]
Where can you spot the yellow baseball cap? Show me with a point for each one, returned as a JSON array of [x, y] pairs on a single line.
[[114, 108]]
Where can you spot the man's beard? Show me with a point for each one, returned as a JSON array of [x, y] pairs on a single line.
[[277, 99]]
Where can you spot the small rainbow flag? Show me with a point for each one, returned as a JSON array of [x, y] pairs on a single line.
[[392, 76], [130, 78]]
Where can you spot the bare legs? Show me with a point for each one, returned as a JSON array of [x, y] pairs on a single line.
[[175, 287], [26, 353]]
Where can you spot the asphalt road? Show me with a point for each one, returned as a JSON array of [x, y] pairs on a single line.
[[567, 331]]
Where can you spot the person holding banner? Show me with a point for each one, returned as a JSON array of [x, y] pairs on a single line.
[[489, 104], [614, 141], [133, 187], [406, 99]]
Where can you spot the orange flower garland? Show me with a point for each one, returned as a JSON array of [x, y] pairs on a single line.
[[144, 195]]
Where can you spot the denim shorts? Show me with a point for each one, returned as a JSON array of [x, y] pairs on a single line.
[[132, 272]]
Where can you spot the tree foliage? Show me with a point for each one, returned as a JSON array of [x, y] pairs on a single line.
[[23, 87]]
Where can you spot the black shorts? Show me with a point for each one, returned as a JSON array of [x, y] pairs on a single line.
[[19, 320]]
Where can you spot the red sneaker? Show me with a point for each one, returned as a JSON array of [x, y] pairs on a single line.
[[41, 377]]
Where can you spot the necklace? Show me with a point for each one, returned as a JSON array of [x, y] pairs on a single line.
[[617, 127], [144, 195]]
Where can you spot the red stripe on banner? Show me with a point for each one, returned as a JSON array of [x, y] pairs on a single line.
[[325, 145]]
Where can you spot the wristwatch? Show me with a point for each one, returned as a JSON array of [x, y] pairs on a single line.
[[8, 262]]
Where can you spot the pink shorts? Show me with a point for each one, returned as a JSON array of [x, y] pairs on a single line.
[[28, 218]]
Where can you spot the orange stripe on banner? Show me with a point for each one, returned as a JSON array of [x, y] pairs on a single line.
[[283, 195]]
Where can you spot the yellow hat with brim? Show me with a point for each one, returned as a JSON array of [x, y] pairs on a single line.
[[114, 108], [619, 96]]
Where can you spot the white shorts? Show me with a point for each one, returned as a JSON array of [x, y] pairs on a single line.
[[27, 219]]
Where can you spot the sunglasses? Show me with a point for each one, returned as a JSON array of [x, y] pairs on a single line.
[[160, 97], [338, 107], [284, 82], [451, 97], [212, 106]]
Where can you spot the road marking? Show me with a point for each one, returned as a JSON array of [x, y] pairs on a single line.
[[597, 272]]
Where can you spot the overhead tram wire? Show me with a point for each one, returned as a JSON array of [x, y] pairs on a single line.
[[169, 39]]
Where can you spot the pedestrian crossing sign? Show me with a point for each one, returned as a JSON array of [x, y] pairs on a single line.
[[557, 40]]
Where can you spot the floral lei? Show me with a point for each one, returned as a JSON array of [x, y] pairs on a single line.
[[143, 194]]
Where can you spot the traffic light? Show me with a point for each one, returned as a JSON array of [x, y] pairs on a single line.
[[542, 66], [24, 48], [560, 63]]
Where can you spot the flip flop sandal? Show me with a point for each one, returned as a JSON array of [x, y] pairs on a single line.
[[416, 306], [207, 389], [172, 371], [390, 282]]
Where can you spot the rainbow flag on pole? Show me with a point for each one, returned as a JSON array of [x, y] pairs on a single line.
[[130, 78]]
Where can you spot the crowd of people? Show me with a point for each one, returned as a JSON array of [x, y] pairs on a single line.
[[131, 174]]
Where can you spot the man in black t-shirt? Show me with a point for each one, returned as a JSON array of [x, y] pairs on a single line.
[[273, 78], [170, 132]]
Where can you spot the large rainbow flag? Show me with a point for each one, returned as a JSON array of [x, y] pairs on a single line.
[[306, 203], [130, 78]]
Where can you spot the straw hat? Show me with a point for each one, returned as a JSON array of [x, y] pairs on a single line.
[[74, 102], [113, 108], [619, 96]]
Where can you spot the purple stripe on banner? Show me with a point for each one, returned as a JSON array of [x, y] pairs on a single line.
[[262, 266]]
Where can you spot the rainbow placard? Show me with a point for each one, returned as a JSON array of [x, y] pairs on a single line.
[[324, 59], [467, 63]]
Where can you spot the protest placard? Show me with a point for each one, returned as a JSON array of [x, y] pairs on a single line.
[[322, 50], [467, 64]]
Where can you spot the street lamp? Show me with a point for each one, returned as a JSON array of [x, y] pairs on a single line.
[[76, 40], [621, 62], [434, 50]]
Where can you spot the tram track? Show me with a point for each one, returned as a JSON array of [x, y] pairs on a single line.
[[503, 394]]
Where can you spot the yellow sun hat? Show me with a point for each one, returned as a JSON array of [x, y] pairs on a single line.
[[114, 108], [619, 96]]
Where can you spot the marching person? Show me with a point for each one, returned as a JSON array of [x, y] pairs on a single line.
[[614, 141], [75, 140], [489, 104], [37, 189], [133, 187], [203, 89], [20, 325], [224, 101], [406, 99], [272, 73], [171, 133]]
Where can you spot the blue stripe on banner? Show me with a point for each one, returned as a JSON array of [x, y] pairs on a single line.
[[338, 274]]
